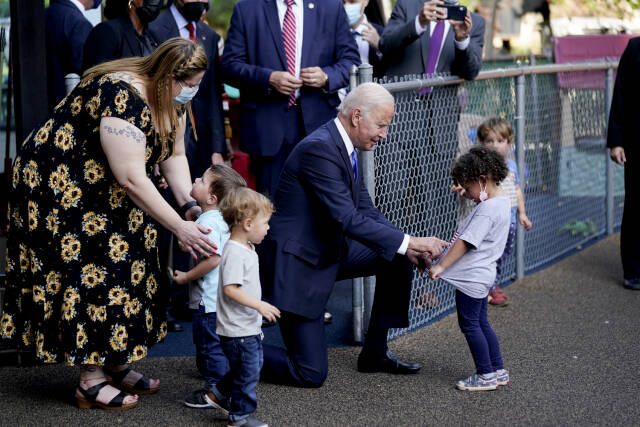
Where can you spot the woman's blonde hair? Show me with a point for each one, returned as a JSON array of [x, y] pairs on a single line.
[[176, 58], [242, 203]]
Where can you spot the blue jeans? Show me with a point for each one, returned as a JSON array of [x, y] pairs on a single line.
[[210, 359], [508, 248], [239, 384], [482, 340]]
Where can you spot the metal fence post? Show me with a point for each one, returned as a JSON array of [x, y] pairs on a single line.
[[356, 284], [369, 177], [520, 92], [609, 189]]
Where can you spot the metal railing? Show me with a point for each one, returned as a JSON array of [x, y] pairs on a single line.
[[573, 192]]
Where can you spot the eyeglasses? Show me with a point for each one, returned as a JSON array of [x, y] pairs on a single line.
[[196, 87]]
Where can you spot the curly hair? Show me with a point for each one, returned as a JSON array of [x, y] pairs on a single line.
[[242, 203], [499, 126], [224, 180], [479, 161]]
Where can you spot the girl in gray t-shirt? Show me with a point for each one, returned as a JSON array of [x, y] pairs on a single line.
[[469, 264]]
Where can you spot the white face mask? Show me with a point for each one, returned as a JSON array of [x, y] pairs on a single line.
[[353, 12], [186, 94], [483, 194]]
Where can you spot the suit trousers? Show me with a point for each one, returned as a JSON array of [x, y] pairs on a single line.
[[630, 229], [267, 169], [304, 362]]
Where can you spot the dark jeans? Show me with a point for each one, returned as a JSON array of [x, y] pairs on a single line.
[[239, 384], [508, 248], [482, 340], [210, 359]]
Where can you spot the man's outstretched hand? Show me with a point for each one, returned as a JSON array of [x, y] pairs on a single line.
[[432, 245]]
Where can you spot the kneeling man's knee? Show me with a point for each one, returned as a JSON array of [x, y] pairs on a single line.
[[312, 378]]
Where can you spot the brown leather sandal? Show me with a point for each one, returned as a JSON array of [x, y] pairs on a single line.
[[91, 394]]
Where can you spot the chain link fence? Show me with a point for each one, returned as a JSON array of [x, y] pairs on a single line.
[[559, 115]]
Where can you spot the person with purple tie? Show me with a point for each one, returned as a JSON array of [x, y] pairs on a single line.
[[289, 58]]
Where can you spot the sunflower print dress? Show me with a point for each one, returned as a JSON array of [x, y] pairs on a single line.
[[82, 283]]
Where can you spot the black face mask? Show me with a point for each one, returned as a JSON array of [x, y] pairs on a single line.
[[193, 11], [149, 11]]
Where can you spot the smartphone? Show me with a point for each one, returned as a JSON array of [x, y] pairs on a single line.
[[456, 12]]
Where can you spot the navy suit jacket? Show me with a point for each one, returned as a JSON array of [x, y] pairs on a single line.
[[254, 49], [406, 52], [67, 29], [207, 104], [319, 206], [113, 39]]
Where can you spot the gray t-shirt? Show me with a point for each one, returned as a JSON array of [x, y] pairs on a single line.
[[238, 266], [486, 230]]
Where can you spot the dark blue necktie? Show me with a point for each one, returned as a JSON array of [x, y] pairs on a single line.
[[354, 164]]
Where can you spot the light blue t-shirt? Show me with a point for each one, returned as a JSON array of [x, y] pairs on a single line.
[[205, 290], [486, 230]]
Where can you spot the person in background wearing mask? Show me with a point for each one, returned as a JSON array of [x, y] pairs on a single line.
[[66, 30], [123, 34], [204, 137], [366, 35]]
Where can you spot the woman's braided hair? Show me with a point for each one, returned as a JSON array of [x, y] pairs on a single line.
[[176, 58], [479, 161]]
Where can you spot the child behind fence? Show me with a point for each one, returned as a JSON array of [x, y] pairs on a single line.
[[497, 134], [469, 264]]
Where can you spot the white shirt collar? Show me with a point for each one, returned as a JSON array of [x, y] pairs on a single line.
[[362, 25], [345, 137], [177, 16], [78, 5]]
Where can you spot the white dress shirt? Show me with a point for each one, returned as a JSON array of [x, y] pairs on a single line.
[[78, 5], [349, 146], [298, 11]]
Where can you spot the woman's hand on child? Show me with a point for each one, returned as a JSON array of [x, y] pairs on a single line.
[[179, 277], [525, 221], [268, 311]]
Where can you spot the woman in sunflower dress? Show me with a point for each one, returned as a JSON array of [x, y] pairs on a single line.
[[82, 260]]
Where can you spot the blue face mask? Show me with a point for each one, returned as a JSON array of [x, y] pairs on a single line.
[[186, 94], [353, 12], [96, 3]]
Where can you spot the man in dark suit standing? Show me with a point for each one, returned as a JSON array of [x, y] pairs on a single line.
[[183, 20], [288, 58], [67, 29], [326, 228], [622, 138], [414, 24]]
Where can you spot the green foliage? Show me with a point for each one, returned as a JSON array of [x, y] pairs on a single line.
[[584, 228], [220, 14]]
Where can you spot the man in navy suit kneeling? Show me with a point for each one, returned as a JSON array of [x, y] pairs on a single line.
[[326, 228]]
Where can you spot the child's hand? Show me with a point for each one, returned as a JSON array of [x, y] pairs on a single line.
[[457, 189], [435, 272], [268, 311], [179, 277], [525, 221]]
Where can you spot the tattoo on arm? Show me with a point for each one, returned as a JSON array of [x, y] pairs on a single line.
[[128, 132]]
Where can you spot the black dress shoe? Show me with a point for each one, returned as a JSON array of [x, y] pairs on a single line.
[[173, 326], [388, 363], [633, 284]]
